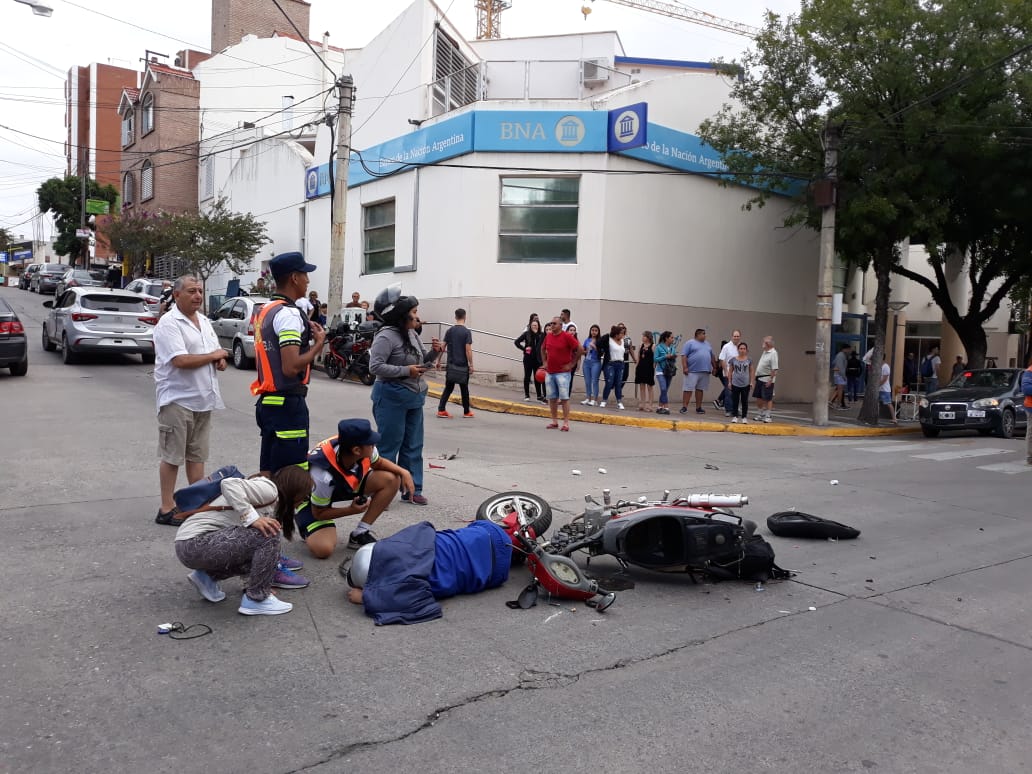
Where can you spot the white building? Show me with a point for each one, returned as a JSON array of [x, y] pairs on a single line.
[[527, 175]]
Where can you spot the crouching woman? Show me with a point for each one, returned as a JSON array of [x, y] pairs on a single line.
[[239, 534]]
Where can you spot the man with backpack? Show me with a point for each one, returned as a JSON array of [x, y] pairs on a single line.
[[930, 370]]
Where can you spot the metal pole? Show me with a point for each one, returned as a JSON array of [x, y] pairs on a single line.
[[825, 281], [84, 171], [335, 294]]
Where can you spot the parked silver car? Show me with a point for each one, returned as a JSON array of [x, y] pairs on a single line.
[[79, 278], [89, 319], [45, 280], [151, 290], [234, 325]]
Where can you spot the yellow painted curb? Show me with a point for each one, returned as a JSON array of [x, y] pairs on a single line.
[[676, 425]]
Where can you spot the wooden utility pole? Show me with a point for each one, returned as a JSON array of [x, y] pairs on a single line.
[[345, 105], [826, 195]]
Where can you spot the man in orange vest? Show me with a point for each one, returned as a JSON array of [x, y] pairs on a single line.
[[348, 467], [286, 343], [1026, 389]]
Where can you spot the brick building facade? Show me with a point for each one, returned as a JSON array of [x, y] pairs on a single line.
[[232, 19]]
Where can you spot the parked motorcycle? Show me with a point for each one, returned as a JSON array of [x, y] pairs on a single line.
[[348, 352], [697, 534]]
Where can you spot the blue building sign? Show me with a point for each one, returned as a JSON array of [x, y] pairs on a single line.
[[22, 255], [628, 127], [540, 131], [3, 257], [677, 150]]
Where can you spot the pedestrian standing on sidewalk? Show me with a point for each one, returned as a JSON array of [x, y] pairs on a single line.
[[839, 379], [697, 363], [592, 366], [187, 356], [398, 360], [854, 371], [561, 352], [645, 372], [242, 537], [666, 368], [529, 343], [740, 375], [458, 356], [612, 347], [766, 376], [728, 352]]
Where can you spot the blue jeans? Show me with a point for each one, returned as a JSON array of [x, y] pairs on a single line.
[[399, 419], [592, 370], [663, 386], [613, 372]]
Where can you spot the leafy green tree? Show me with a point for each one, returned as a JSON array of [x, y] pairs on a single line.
[[6, 239], [206, 241], [140, 237], [62, 197], [896, 78]]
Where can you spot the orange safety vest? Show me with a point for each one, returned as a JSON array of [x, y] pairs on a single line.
[[1028, 400], [267, 353], [329, 451]]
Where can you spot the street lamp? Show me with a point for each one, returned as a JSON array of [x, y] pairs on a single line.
[[37, 8]]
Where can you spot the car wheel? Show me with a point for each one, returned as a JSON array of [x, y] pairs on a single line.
[[147, 358], [930, 432], [240, 360], [48, 345], [1006, 428], [20, 369], [67, 356]]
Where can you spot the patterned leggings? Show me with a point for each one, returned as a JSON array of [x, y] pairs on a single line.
[[225, 553]]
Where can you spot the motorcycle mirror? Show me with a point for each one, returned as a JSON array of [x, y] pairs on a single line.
[[602, 602], [528, 597]]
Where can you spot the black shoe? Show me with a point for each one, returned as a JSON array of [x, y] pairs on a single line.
[[358, 539], [168, 517]]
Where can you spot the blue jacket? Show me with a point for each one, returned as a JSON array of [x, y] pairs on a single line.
[[415, 567]]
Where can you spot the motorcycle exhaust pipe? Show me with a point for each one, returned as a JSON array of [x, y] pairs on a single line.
[[715, 500]]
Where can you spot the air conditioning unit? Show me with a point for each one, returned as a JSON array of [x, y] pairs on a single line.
[[594, 71]]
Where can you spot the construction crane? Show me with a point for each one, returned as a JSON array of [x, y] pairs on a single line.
[[489, 17], [489, 14]]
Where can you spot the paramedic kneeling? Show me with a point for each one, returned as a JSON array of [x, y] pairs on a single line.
[[348, 467]]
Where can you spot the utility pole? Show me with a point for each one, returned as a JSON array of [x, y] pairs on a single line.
[[339, 219], [825, 196], [84, 172]]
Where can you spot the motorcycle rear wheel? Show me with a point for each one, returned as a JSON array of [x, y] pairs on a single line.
[[497, 507], [332, 366]]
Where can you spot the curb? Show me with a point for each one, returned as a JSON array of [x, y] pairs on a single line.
[[676, 425]]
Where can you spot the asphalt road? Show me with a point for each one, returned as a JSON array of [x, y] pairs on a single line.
[[918, 657]]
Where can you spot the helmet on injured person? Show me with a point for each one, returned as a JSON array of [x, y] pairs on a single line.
[[392, 307], [359, 569]]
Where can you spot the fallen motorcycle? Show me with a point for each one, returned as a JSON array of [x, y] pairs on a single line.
[[697, 534]]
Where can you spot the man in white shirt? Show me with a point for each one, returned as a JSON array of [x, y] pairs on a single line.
[[186, 356], [728, 352]]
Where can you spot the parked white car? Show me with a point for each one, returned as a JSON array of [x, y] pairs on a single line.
[[89, 319]]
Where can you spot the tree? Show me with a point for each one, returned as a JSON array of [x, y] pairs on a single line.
[[139, 237], [206, 241], [898, 77], [62, 197], [6, 239]]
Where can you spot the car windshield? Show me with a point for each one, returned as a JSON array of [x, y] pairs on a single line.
[[113, 303], [80, 274], [55, 267], [997, 380], [98, 275]]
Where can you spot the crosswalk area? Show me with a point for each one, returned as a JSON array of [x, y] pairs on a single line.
[[938, 451]]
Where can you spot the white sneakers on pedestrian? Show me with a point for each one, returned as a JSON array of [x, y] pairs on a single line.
[[268, 606], [619, 405], [745, 420], [734, 420], [208, 587], [602, 404], [767, 419], [592, 402]]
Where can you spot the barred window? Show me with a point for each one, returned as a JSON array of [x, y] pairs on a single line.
[[148, 114], [538, 220], [456, 79]]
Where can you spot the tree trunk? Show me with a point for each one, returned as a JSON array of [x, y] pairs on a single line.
[[883, 262], [976, 345]]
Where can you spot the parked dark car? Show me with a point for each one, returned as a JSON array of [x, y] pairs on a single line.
[[79, 278], [988, 400], [14, 350], [45, 280], [26, 278]]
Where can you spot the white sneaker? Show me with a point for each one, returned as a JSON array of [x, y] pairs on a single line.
[[619, 406], [585, 402], [527, 399], [268, 606], [592, 403], [734, 420], [745, 420], [602, 404], [767, 419], [208, 587]]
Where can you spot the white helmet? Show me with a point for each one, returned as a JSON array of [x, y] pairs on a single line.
[[359, 569]]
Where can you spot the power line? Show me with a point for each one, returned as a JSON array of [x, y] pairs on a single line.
[[304, 38]]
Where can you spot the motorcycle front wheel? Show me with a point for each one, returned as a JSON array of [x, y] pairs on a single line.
[[332, 366], [536, 510]]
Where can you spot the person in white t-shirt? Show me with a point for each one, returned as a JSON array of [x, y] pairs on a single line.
[[885, 389], [187, 355]]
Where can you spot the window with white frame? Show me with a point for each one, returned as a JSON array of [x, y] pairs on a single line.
[[146, 181], [378, 237], [538, 220], [456, 79], [302, 227], [208, 176], [148, 114], [127, 128], [127, 189]]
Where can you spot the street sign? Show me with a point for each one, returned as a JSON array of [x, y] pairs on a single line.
[[82, 233], [97, 207]]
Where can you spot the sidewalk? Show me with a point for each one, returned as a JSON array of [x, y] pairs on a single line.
[[789, 418]]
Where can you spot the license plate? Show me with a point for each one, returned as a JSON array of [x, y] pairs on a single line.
[[947, 415], [977, 414]]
